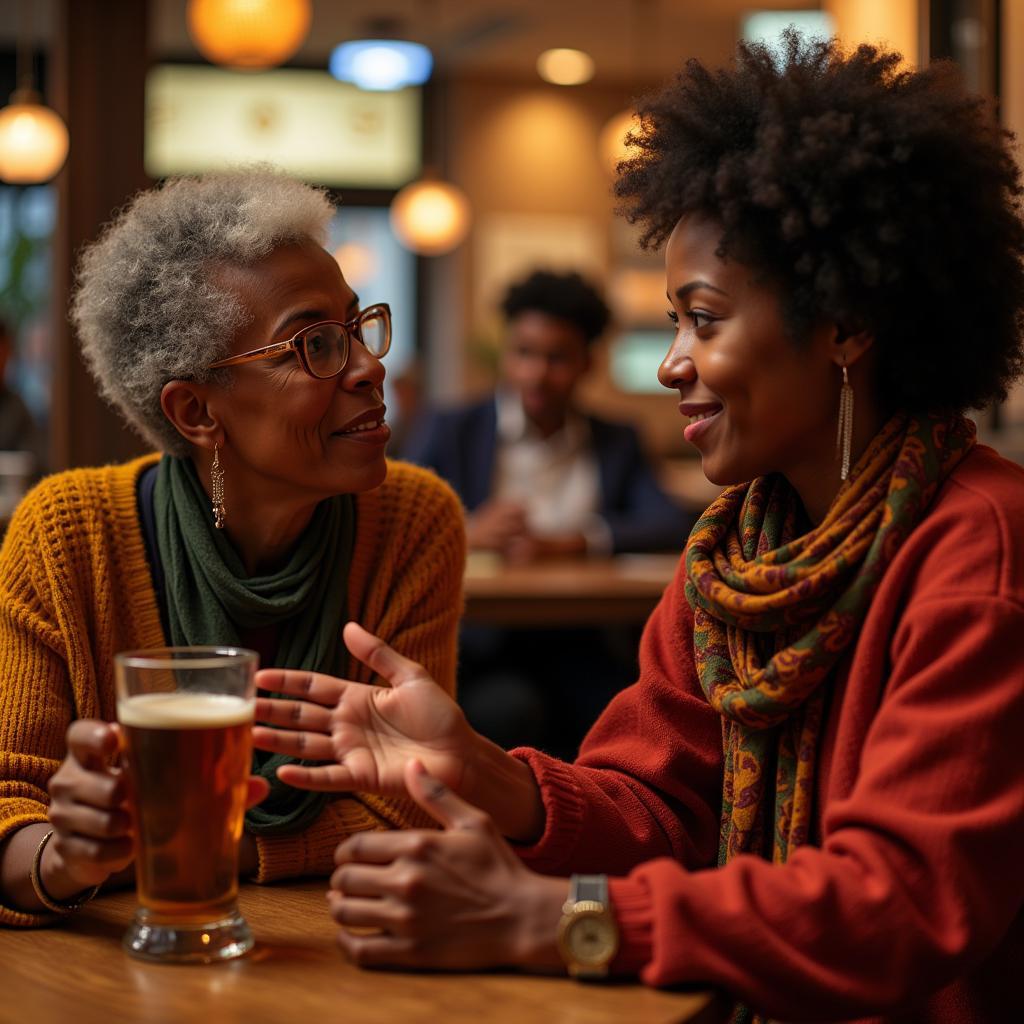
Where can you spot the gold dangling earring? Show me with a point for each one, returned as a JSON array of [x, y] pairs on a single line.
[[844, 435], [217, 487]]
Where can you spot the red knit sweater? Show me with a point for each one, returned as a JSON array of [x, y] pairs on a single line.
[[908, 904]]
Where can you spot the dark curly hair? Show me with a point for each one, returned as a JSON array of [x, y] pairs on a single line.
[[565, 296], [880, 199]]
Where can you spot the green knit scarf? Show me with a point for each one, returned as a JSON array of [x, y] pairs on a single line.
[[210, 599]]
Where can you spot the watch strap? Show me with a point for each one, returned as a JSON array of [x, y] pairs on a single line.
[[588, 888]]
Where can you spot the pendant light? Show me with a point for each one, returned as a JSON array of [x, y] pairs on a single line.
[[248, 35], [431, 216], [565, 66], [381, 65], [33, 138]]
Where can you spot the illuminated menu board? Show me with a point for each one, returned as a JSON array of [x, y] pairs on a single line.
[[321, 130]]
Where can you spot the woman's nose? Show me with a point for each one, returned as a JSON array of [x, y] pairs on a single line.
[[677, 368], [363, 371]]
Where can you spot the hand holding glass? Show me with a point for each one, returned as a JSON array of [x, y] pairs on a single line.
[[186, 714]]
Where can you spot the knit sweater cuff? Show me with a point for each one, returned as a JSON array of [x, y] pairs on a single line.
[[634, 913], [312, 852], [563, 810]]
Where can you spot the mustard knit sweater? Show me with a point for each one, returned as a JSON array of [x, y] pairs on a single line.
[[75, 588]]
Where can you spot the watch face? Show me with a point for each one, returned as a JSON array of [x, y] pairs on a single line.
[[591, 938]]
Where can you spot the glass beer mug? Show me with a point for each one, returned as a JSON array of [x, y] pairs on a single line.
[[186, 714]]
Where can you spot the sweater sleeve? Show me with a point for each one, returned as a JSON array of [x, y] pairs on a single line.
[[36, 703], [647, 782], [899, 897], [414, 605]]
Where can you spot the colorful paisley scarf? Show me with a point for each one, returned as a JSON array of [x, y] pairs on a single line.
[[774, 612]]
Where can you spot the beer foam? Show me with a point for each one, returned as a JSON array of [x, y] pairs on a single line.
[[184, 710]]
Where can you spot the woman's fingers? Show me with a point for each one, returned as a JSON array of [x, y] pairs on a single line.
[[382, 848], [293, 714], [378, 950], [90, 821], [359, 880], [93, 743], [310, 746], [449, 810], [326, 778], [74, 784], [310, 686], [256, 791], [384, 660], [106, 854], [385, 915]]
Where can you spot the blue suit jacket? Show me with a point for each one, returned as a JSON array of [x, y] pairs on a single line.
[[459, 445]]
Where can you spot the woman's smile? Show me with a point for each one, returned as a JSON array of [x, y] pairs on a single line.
[[701, 416]]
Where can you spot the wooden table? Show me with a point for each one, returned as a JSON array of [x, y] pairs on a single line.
[[77, 973], [622, 590]]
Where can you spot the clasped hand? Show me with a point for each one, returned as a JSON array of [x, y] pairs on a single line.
[[456, 898], [91, 814]]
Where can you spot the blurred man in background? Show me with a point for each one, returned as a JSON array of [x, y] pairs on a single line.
[[539, 478]]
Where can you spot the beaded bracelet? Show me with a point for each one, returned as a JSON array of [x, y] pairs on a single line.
[[54, 906]]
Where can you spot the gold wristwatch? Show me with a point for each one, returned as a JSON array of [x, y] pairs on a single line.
[[588, 937]]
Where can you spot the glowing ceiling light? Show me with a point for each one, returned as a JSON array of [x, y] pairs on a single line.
[[381, 65], [33, 140], [565, 67], [249, 34], [430, 217]]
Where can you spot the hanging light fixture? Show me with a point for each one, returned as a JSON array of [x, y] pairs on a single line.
[[382, 60], [430, 216], [33, 138], [381, 65], [248, 34], [563, 66]]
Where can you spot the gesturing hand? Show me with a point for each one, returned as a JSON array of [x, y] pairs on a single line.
[[459, 898], [371, 731]]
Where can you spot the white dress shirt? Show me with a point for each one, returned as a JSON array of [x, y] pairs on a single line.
[[554, 478]]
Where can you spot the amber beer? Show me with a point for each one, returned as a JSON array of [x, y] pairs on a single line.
[[186, 716], [188, 757]]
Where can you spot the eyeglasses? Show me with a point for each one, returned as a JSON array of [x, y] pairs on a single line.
[[322, 349]]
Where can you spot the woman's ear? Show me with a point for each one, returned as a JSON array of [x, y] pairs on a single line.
[[184, 404], [848, 347]]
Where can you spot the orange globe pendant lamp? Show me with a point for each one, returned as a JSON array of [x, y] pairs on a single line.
[[249, 34], [33, 140], [430, 216]]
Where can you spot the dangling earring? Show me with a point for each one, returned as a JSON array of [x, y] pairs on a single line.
[[217, 487], [844, 435]]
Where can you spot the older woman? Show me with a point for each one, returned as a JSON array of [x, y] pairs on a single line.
[[813, 797], [216, 323]]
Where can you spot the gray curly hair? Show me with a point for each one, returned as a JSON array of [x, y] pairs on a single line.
[[145, 308]]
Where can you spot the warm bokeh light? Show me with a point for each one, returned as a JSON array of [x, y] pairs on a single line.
[[565, 67], [358, 263], [611, 144], [33, 141], [248, 34], [430, 217], [894, 23]]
